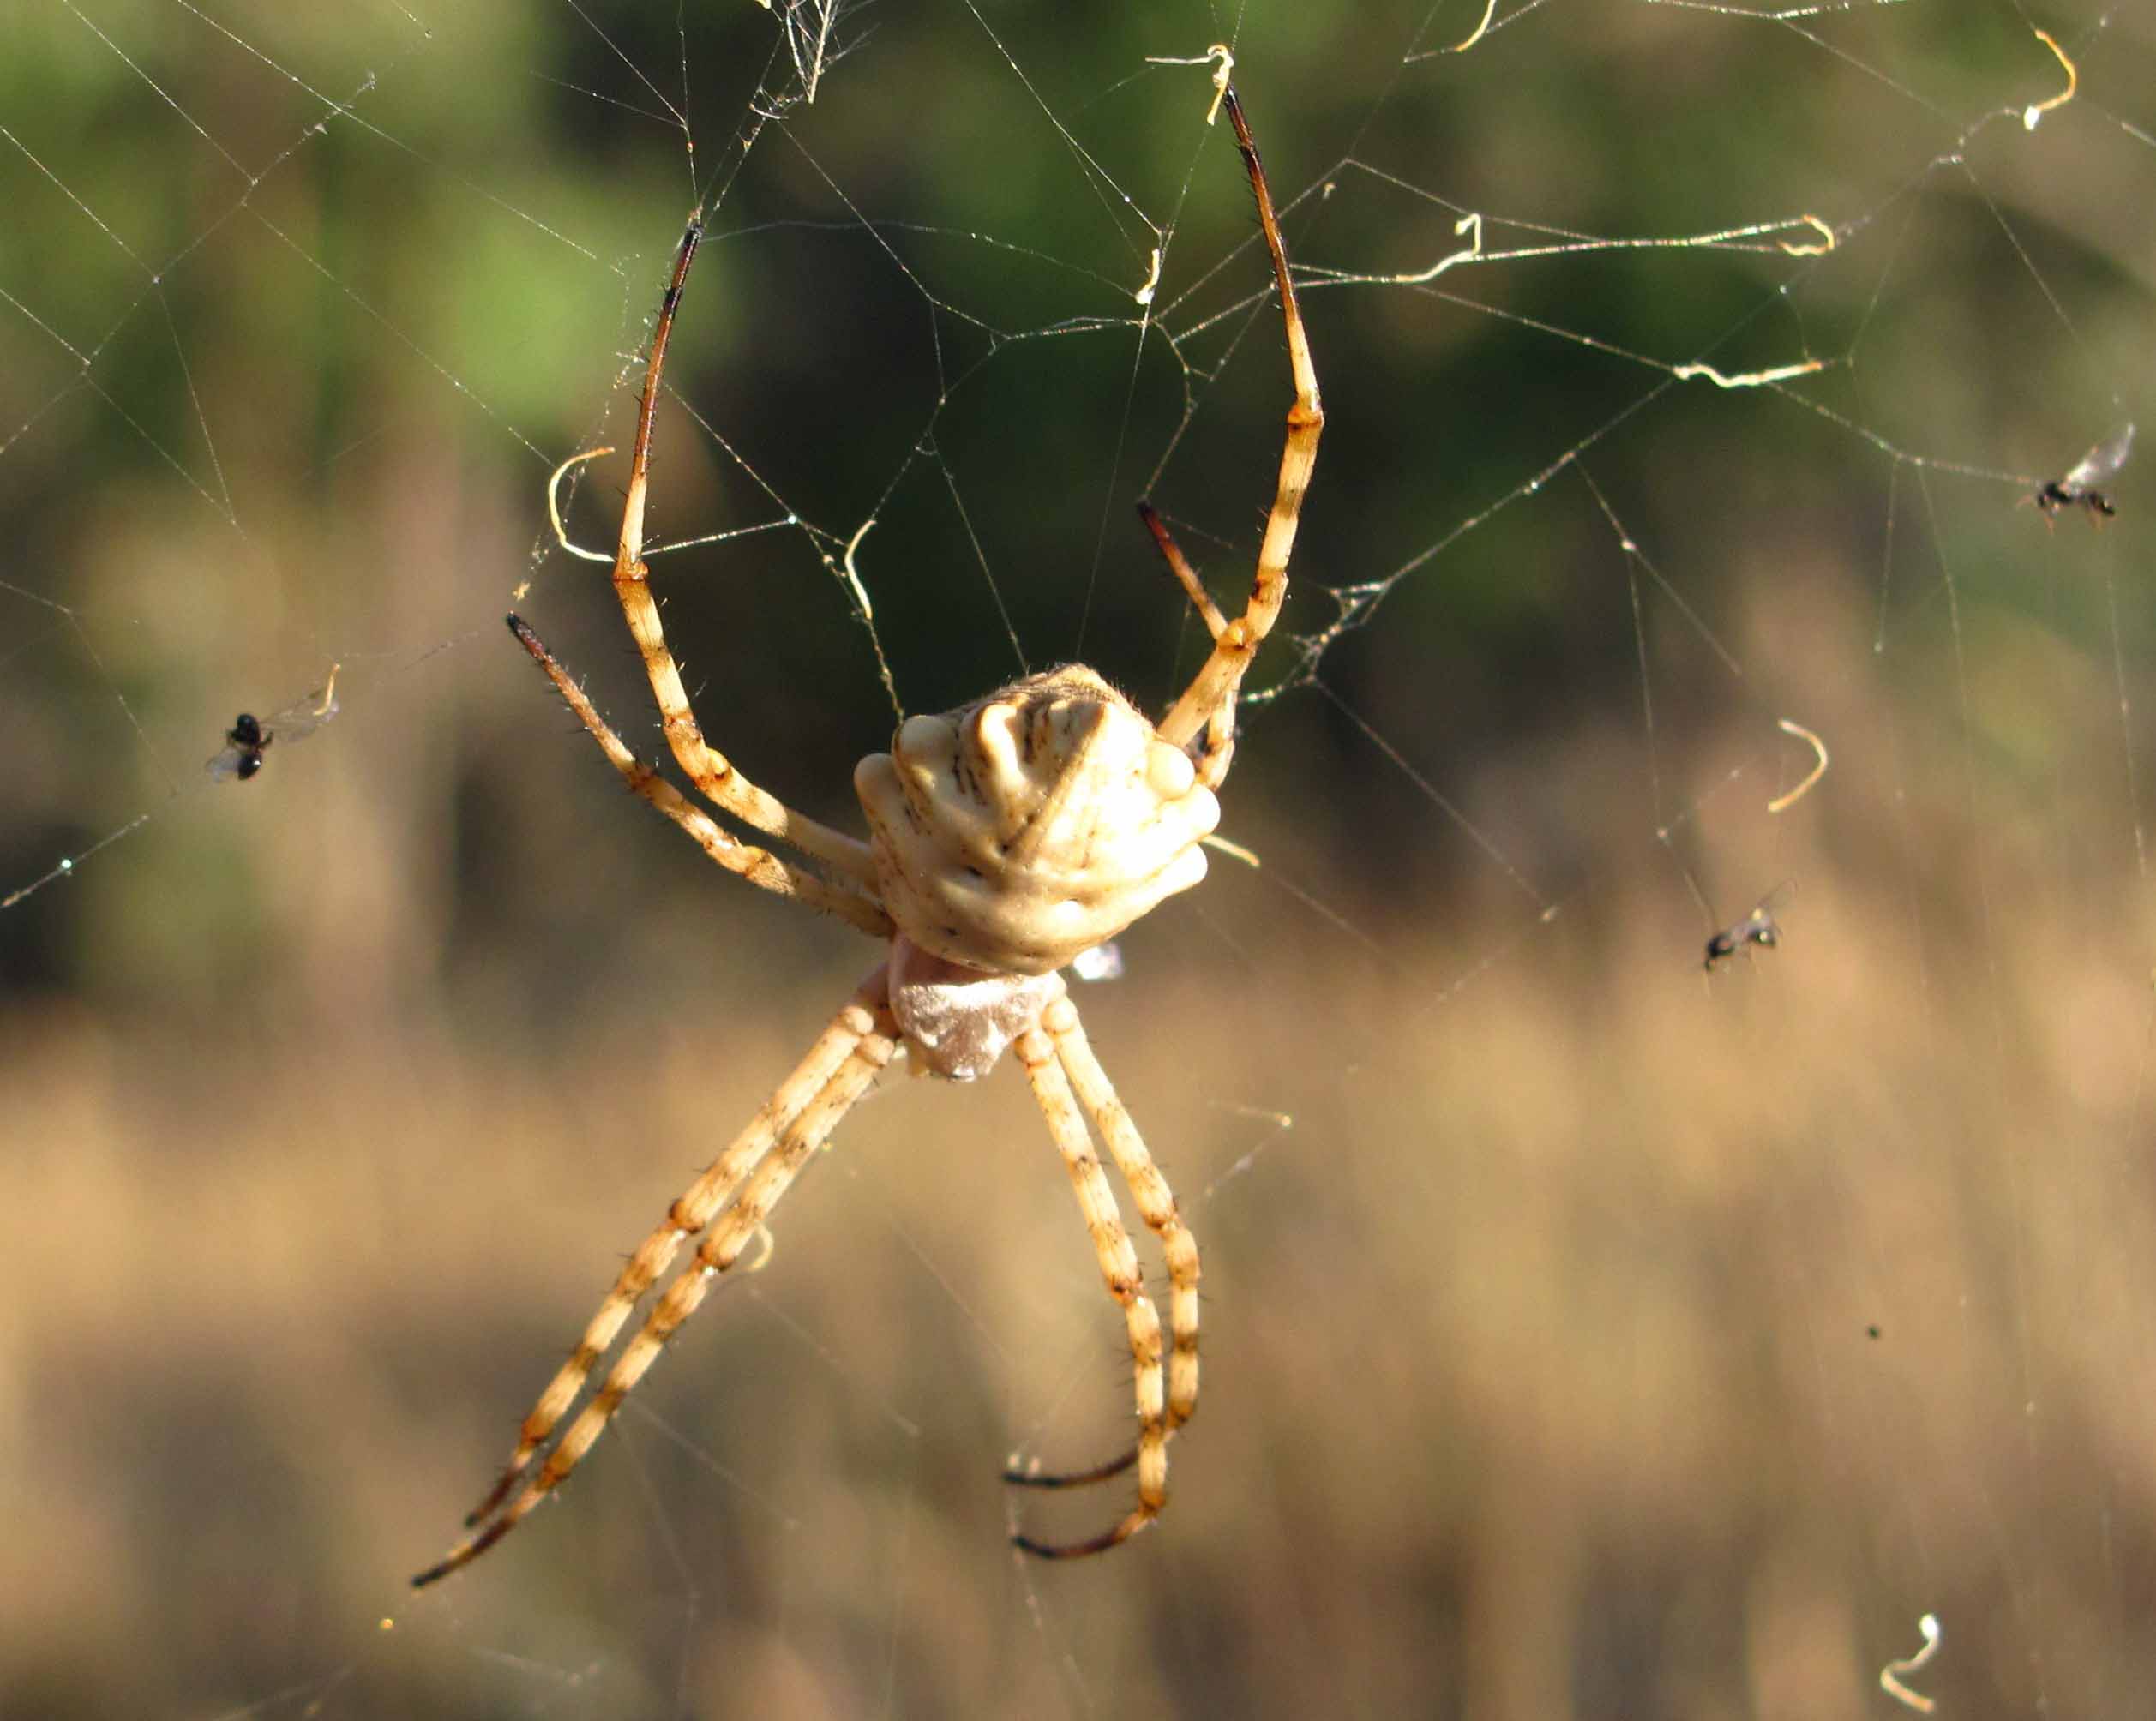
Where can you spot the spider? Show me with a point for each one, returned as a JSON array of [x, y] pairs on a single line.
[[1005, 839]]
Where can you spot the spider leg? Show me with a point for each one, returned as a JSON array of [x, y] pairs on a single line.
[[1069, 1479], [689, 1215], [1213, 758], [1210, 698], [1185, 575], [759, 865], [1149, 1189], [1044, 1051], [707, 768], [870, 1037]]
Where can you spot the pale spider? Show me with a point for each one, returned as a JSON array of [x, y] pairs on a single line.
[[1006, 838]]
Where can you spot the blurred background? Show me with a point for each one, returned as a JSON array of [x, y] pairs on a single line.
[[1585, 1335]]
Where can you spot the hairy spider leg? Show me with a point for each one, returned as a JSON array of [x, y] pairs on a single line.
[[687, 1216], [866, 1022], [1161, 1407], [1212, 691]]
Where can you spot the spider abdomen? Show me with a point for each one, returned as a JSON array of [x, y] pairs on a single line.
[[1015, 832]]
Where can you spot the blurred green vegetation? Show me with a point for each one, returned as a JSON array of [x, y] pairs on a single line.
[[366, 343]]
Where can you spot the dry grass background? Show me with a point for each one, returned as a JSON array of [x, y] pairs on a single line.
[[1584, 1337], [1539, 1377]]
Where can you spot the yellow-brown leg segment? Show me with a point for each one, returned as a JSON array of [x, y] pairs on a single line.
[[873, 1034], [684, 1219], [1149, 1189], [1037, 1052], [707, 768], [744, 859], [1216, 683], [1156, 1205], [1185, 575], [1213, 758]]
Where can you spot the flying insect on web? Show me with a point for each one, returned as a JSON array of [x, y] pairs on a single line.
[[2078, 487], [1759, 927], [250, 736]]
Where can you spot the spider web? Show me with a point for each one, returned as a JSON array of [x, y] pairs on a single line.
[[1584, 1334]]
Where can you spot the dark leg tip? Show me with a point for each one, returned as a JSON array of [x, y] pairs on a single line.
[[1066, 1550], [1071, 1478]]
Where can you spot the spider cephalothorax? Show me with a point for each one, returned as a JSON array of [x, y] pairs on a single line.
[[1006, 838]]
